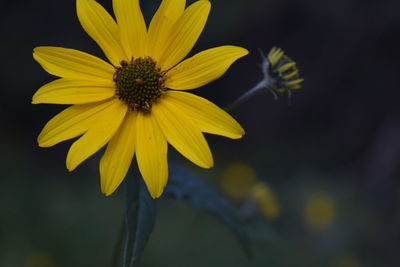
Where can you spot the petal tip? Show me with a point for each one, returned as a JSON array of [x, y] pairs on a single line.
[[40, 144], [35, 54], [106, 192], [242, 132], [207, 165], [237, 133], [35, 99], [107, 189], [239, 136], [154, 191], [70, 165], [155, 195], [37, 50], [207, 4], [43, 143]]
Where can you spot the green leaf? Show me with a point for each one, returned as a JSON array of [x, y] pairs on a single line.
[[184, 185], [140, 218]]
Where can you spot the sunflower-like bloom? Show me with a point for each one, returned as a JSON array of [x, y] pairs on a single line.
[[281, 71], [137, 103]]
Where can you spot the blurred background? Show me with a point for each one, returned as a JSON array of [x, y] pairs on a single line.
[[316, 182]]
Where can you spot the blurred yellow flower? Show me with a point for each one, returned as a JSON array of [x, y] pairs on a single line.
[[240, 181], [348, 261], [237, 179], [39, 259], [266, 200], [319, 211], [128, 104]]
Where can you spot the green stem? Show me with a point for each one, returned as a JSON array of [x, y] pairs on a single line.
[[247, 95]]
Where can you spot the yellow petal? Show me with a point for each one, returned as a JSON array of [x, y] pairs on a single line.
[[184, 33], [74, 64], [114, 164], [205, 115], [98, 134], [132, 27], [166, 15], [151, 154], [203, 67], [102, 28], [71, 123], [182, 134], [64, 91]]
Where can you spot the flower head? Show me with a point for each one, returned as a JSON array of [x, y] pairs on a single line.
[[137, 103], [280, 72]]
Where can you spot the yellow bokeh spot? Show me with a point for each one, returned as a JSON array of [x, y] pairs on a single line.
[[319, 211], [347, 262], [266, 200], [238, 179], [39, 259]]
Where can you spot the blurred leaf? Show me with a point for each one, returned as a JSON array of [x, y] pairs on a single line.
[[188, 187], [140, 218]]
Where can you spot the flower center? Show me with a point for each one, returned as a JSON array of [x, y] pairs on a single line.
[[139, 83]]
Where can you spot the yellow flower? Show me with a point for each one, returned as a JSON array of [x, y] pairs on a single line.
[[266, 199], [347, 261], [280, 75], [320, 211], [238, 179], [136, 104]]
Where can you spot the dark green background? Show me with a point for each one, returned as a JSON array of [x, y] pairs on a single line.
[[340, 135]]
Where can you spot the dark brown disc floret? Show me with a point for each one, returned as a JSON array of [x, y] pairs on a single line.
[[139, 83]]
